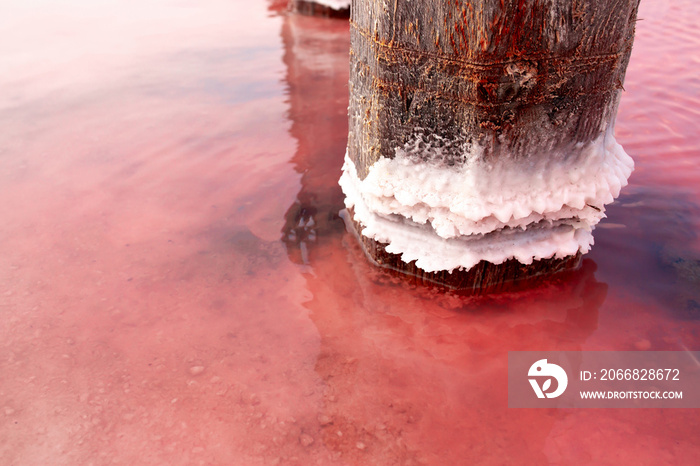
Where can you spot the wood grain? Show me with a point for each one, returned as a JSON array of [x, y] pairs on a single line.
[[522, 77]]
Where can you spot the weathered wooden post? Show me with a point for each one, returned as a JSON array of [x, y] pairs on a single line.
[[481, 147], [323, 8]]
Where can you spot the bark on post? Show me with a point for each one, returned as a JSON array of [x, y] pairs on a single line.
[[479, 126]]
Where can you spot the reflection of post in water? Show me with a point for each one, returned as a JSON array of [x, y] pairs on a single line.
[[316, 55], [413, 372]]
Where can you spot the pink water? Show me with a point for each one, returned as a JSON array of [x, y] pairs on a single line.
[[166, 300]]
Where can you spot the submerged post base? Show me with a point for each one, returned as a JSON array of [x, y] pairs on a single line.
[[484, 276]]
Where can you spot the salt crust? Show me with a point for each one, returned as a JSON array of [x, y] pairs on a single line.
[[452, 217]]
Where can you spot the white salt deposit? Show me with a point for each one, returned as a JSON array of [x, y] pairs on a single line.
[[449, 217]]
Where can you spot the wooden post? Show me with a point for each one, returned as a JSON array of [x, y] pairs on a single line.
[[324, 8], [481, 147]]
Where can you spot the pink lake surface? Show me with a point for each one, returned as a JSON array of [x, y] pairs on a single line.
[[177, 287]]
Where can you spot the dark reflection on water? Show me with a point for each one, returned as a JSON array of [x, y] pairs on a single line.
[[656, 258], [316, 57]]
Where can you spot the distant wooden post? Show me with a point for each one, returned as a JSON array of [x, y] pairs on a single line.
[[474, 122], [324, 8]]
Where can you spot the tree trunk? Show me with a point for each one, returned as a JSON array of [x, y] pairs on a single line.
[[508, 98]]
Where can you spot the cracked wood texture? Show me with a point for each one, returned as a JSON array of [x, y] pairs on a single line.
[[519, 77]]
